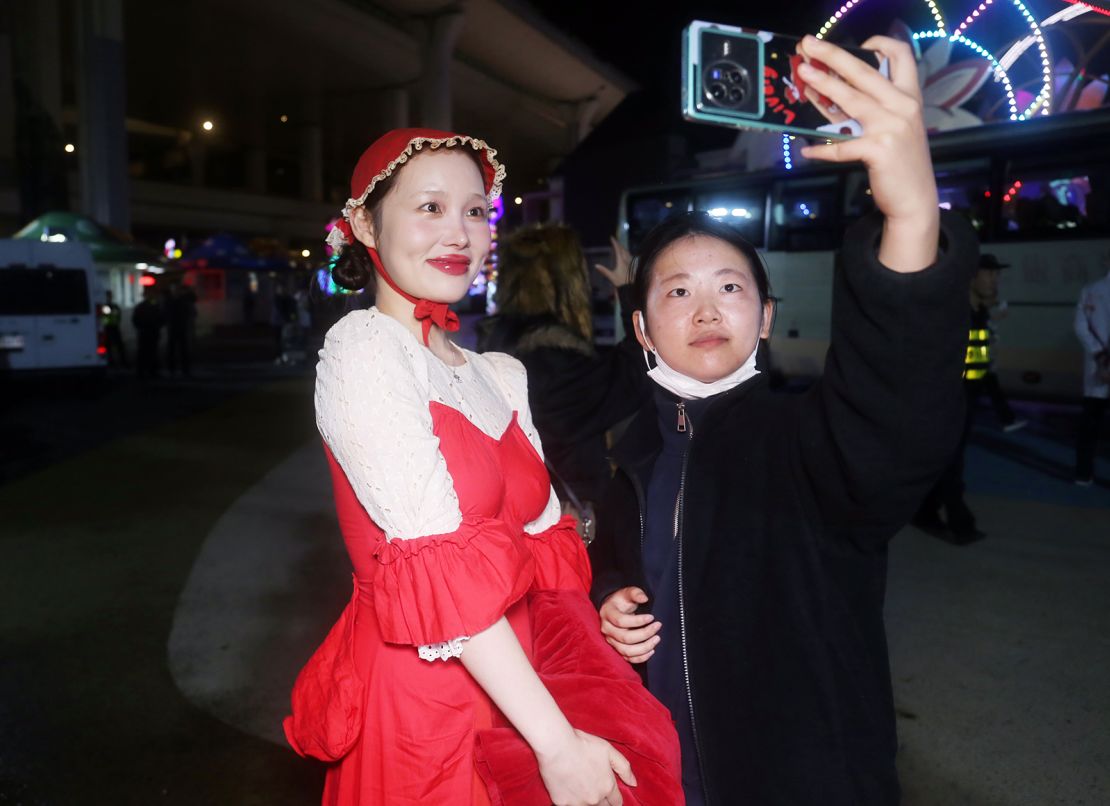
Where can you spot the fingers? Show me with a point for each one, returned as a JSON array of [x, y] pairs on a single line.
[[860, 75], [641, 652], [625, 621], [637, 595], [638, 659], [840, 151], [902, 62], [621, 767], [856, 104], [631, 638]]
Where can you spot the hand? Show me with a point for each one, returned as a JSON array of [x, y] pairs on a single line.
[[580, 772], [621, 273], [633, 636], [894, 145]]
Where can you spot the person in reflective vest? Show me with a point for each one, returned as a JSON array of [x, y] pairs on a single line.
[[958, 525]]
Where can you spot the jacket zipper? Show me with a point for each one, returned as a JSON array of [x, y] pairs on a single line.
[[685, 425]]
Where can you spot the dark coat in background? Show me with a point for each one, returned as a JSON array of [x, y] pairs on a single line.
[[576, 392], [789, 502]]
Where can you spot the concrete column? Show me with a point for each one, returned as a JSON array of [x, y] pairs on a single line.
[[7, 106], [398, 106], [441, 32], [34, 123], [101, 84]]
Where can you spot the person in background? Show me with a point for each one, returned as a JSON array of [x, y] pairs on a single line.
[[958, 525], [1092, 327], [113, 338], [148, 319], [545, 319], [987, 306], [181, 312]]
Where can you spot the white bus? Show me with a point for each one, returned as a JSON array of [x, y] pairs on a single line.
[[1037, 192]]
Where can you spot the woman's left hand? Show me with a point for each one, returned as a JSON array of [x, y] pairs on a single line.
[[894, 145]]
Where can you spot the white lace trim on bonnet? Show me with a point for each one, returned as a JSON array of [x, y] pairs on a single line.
[[336, 239]]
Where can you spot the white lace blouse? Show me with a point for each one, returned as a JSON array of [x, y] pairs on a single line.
[[374, 382]]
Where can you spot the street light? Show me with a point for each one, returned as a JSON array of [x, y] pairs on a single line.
[[208, 125], [306, 253], [518, 200], [70, 148]]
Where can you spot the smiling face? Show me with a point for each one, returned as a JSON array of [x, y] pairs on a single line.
[[434, 231], [703, 311]]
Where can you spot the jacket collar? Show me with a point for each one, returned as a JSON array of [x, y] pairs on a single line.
[[636, 450]]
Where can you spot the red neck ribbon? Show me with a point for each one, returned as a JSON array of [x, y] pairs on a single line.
[[426, 311]]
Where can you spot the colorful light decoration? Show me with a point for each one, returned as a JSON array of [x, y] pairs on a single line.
[[787, 159], [850, 4], [1042, 104]]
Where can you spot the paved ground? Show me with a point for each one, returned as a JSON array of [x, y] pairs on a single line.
[[160, 589]]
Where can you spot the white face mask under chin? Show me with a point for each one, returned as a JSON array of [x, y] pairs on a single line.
[[690, 388]]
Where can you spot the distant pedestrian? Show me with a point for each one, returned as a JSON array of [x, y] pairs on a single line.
[[1092, 326], [958, 524], [181, 311], [148, 319], [249, 296], [283, 310], [111, 318], [986, 307]]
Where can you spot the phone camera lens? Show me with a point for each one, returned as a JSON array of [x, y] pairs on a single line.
[[727, 84]]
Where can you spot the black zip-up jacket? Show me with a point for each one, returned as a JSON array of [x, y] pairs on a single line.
[[788, 503]]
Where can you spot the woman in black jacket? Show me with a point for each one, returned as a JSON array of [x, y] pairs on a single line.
[[741, 554]]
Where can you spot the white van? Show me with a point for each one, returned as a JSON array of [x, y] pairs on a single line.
[[48, 308]]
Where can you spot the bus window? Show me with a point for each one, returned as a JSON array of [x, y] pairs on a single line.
[[803, 216], [966, 191], [645, 210], [742, 208], [44, 291], [1053, 202]]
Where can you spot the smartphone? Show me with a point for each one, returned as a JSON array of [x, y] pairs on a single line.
[[745, 78]]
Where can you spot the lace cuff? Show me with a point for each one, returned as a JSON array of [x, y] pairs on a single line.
[[442, 651]]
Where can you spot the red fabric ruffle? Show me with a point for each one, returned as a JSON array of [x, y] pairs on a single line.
[[599, 693], [561, 559], [440, 587], [328, 695]]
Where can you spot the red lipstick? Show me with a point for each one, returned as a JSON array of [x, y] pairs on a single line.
[[455, 265]]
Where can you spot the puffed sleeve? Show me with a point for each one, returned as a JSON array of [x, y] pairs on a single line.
[[437, 576], [560, 554]]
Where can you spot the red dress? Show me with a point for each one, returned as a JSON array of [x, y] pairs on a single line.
[[399, 729]]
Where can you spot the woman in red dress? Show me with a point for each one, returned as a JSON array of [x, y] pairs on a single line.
[[468, 667]]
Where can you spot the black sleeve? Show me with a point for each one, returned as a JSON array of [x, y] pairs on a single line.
[[614, 553], [887, 414], [595, 394]]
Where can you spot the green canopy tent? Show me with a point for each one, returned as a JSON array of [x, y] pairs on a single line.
[[120, 261]]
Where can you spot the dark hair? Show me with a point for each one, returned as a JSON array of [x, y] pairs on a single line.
[[683, 225], [354, 270]]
